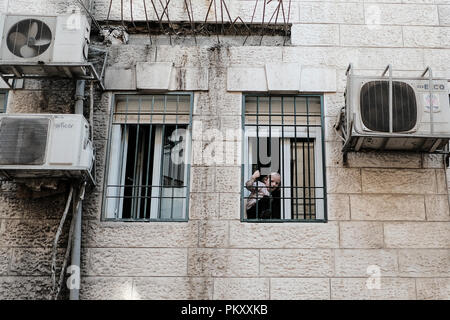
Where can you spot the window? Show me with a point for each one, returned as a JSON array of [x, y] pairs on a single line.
[[283, 141], [148, 165], [3, 101]]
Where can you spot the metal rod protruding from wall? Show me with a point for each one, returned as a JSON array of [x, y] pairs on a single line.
[[391, 113], [430, 84]]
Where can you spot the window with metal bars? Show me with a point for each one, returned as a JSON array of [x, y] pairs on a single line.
[[284, 159], [3, 101], [148, 166]]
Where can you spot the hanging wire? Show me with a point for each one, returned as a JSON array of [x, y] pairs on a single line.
[[148, 23], [90, 15]]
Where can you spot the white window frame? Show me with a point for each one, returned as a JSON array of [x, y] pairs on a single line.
[[117, 161], [315, 133]]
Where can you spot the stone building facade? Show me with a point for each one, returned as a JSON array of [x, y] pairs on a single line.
[[388, 209]]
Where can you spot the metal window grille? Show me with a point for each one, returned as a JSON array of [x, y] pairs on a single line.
[[3, 102], [148, 165], [283, 140]]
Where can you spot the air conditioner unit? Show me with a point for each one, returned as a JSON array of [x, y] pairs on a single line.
[[45, 145], [387, 113], [45, 39]]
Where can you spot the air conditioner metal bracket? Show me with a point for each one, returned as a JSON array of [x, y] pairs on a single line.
[[52, 70]]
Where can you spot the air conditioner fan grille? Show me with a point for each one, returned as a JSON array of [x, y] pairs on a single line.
[[374, 102], [23, 141]]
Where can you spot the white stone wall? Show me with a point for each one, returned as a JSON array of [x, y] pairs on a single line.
[[384, 209]]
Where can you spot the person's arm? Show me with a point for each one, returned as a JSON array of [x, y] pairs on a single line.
[[250, 183]]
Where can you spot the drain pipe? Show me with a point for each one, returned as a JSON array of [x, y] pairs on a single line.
[[76, 242]]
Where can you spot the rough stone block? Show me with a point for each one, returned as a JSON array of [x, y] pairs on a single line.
[[338, 207], [379, 58], [213, 234], [204, 126], [10, 206], [433, 289], [369, 36], [437, 207], [92, 206], [377, 159], [35, 261], [223, 262], [437, 58], [183, 56], [444, 15], [360, 234], [285, 235], [106, 288], [5, 258], [189, 79], [441, 181], [330, 132], [399, 181], [203, 179], [228, 179], [25, 288], [251, 56], [246, 79], [318, 79], [241, 289], [424, 263], [30, 233], [153, 75], [356, 289], [229, 206], [120, 79], [172, 288], [417, 235], [295, 262], [39, 7], [328, 12], [433, 161], [315, 35], [387, 207], [343, 180], [356, 262], [405, 14], [233, 124], [333, 102], [101, 123], [136, 262], [299, 288], [141, 235], [426, 37], [203, 206]]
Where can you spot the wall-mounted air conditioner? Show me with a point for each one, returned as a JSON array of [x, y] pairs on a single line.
[[45, 145], [387, 113], [45, 39]]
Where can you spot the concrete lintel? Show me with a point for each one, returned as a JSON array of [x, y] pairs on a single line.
[[283, 77], [246, 79], [120, 79]]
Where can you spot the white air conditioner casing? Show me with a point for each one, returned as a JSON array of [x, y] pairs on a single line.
[[417, 125], [45, 145], [68, 38]]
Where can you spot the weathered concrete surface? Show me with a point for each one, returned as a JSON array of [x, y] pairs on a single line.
[[385, 209]]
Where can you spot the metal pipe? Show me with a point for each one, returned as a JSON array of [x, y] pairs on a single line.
[[79, 96], [76, 250], [76, 241], [76, 246]]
